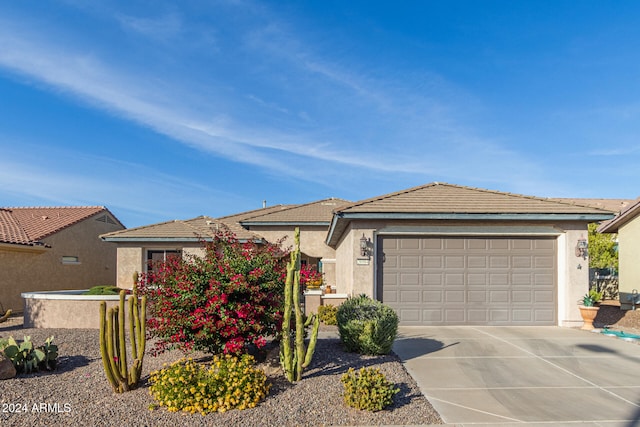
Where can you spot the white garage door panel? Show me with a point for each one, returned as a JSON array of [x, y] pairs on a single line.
[[476, 281]]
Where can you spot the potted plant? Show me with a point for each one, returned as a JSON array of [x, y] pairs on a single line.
[[310, 278], [589, 307]]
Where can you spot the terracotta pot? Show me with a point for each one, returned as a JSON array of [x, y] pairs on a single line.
[[588, 315]]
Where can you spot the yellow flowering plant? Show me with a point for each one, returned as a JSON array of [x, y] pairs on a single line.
[[229, 382]]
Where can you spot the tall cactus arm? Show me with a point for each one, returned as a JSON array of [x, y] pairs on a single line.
[[287, 357], [133, 312], [122, 346], [112, 319], [103, 347], [312, 341]]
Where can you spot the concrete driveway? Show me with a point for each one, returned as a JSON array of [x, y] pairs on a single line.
[[513, 375]]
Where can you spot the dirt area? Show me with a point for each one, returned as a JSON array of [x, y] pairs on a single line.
[[610, 315]]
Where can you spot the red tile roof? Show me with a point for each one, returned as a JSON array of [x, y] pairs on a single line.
[[28, 226]]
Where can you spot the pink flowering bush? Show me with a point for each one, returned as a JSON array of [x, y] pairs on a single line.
[[309, 275], [223, 302]]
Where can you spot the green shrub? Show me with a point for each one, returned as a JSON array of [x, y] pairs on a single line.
[[327, 314], [229, 382], [367, 326], [367, 389], [103, 290], [26, 358]]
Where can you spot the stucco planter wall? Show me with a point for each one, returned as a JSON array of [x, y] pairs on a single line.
[[64, 309]]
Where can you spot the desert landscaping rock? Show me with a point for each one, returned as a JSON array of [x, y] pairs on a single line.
[[7, 370], [77, 393]]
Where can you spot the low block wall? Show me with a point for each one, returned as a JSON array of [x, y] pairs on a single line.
[[64, 309]]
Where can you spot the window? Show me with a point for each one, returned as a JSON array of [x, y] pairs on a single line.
[[160, 255], [68, 259]]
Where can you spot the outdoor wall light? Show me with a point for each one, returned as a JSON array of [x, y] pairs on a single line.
[[582, 248], [364, 246]]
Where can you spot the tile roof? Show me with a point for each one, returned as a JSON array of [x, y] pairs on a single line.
[[626, 215], [180, 230], [613, 205], [448, 201], [318, 212], [29, 225], [242, 216], [10, 230], [448, 198]]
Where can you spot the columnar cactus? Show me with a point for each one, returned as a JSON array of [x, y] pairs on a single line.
[[295, 359], [113, 346]]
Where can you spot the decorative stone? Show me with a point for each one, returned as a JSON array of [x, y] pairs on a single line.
[[7, 370]]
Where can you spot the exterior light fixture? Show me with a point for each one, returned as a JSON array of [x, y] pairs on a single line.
[[364, 246], [582, 248]]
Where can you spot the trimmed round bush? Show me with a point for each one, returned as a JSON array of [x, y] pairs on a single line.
[[367, 326], [367, 389]]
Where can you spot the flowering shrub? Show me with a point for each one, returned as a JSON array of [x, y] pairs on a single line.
[[221, 302], [228, 383], [309, 275]]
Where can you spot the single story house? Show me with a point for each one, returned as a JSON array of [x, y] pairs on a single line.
[[439, 254], [54, 248], [627, 225]]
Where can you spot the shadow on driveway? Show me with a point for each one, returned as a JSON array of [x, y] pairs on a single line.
[[412, 347]]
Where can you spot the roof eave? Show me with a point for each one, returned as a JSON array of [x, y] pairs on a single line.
[[331, 239], [332, 228], [173, 239], [591, 217], [285, 223], [25, 247], [623, 218]]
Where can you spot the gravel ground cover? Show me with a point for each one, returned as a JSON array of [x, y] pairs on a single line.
[[611, 316], [78, 394]]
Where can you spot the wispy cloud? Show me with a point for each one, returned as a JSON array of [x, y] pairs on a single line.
[[388, 129], [161, 28], [41, 179]]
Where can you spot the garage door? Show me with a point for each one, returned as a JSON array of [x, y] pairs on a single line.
[[469, 281]]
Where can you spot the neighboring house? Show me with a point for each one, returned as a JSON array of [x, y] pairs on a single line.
[[54, 248], [439, 254], [627, 225]]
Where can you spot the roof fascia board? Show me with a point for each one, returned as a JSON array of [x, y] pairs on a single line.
[[332, 228], [272, 223], [592, 217], [171, 239], [471, 231], [155, 239], [622, 219], [19, 247]]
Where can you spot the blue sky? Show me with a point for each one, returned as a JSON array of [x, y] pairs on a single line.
[[166, 110]]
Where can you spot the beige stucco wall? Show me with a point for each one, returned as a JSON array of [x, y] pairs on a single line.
[[312, 244], [311, 239], [355, 277], [628, 256], [44, 271]]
